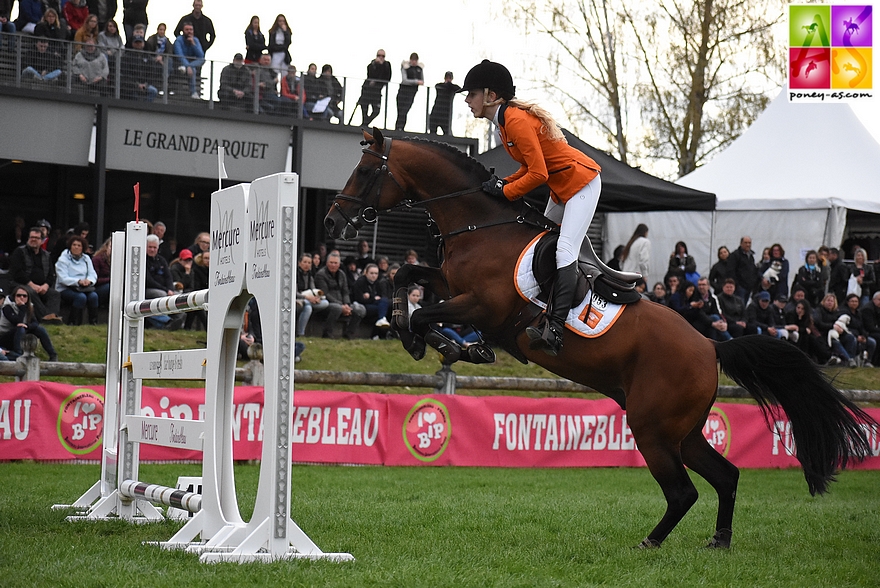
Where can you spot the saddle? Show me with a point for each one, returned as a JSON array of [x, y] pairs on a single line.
[[612, 285]]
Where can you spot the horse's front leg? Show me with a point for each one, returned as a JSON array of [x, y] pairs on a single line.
[[463, 309], [431, 279]]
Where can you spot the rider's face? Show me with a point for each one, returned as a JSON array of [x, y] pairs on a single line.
[[474, 100]]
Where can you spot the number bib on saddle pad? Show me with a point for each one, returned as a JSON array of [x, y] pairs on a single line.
[[602, 313]]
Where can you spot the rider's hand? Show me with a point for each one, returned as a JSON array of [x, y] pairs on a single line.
[[494, 186]]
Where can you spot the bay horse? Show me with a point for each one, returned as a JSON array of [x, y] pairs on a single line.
[[652, 362]]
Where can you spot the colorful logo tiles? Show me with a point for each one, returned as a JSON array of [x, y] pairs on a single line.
[[830, 54]]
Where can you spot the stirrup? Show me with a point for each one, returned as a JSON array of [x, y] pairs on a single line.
[[548, 340]]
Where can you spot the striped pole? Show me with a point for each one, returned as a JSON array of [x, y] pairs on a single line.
[[161, 495], [167, 304]]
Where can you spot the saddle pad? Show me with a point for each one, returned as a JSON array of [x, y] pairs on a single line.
[[602, 315]]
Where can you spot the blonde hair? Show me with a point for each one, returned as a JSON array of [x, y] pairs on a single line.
[[548, 125]]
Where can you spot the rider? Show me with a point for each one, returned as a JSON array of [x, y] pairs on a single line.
[[532, 137]]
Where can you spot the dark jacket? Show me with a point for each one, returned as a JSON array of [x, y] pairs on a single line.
[[871, 319], [868, 280], [178, 274], [255, 43], [304, 281], [138, 68], [203, 29], [743, 268], [44, 62], [837, 283], [779, 285], [365, 292], [760, 317], [718, 274], [335, 287], [811, 280], [825, 319], [235, 78], [732, 308], [158, 274], [22, 263]]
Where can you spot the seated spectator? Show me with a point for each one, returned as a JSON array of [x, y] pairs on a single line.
[[190, 57], [871, 321], [329, 94], [331, 279], [90, 69], [734, 311], [30, 12], [162, 46], [862, 345], [658, 294], [76, 278], [411, 257], [616, 260], [774, 272], [75, 13], [279, 44], [81, 229], [201, 270], [292, 95], [101, 263], [201, 244], [182, 272], [863, 272], [254, 41], [720, 271], [111, 41], [17, 319], [797, 294], [809, 276], [386, 280], [835, 333], [139, 29], [51, 27], [366, 291], [413, 298], [788, 328], [382, 263], [266, 84], [140, 73], [159, 282], [30, 267], [236, 86], [307, 294], [683, 302], [88, 30], [311, 89], [763, 317], [711, 308], [349, 266], [364, 258], [810, 340], [673, 280], [40, 63], [681, 261]]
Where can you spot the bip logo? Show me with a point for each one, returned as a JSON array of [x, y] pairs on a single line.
[[81, 421], [830, 52], [427, 429], [717, 431]]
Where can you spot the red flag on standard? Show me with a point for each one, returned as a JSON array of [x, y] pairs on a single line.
[[137, 201]]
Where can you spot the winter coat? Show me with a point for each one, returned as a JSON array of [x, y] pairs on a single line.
[[70, 270]]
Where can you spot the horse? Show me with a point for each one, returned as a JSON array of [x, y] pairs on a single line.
[[653, 363]]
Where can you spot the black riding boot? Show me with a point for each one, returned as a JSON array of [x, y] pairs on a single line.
[[547, 336]]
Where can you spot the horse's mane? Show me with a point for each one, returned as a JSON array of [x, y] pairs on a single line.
[[468, 163]]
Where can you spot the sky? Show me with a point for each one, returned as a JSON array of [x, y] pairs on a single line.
[[448, 35]]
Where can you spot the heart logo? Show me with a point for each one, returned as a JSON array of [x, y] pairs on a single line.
[[88, 407], [430, 417]]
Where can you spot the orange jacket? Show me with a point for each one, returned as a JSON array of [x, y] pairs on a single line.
[[556, 163]]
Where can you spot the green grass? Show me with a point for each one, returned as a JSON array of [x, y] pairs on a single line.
[[463, 527]]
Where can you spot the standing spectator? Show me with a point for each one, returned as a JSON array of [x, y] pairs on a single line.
[[863, 272], [140, 74], [236, 86], [734, 311], [680, 260], [364, 258], [721, 270], [17, 319], [203, 26], [105, 10], [332, 280], [367, 291], [312, 88], [191, 57], [89, 30], [30, 266], [809, 276], [378, 76], [839, 275], [824, 265], [134, 12], [775, 271], [863, 345], [30, 12], [279, 44], [871, 321], [40, 63], [76, 279], [743, 269], [90, 69], [266, 85], [165, 249], [307, 294], [254, 41], [412, 76], [101, 263], [75, 13], [441, 113], [162, 46], [292, 95], [637, 252], [6, 25]]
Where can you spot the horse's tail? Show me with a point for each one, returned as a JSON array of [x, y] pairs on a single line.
[[829, 430]]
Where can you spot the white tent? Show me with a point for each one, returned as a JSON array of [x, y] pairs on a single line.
[[789, 179]]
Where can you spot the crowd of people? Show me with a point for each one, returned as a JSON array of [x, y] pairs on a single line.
[[828, 308], [261, 77]]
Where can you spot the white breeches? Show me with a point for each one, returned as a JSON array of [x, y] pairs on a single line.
[[575, 217]]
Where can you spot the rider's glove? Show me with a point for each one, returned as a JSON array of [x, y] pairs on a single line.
[[494, 186]]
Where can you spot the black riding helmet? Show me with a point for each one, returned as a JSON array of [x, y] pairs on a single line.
[[491, 75]]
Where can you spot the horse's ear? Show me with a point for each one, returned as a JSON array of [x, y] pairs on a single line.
[[368, 138], [380, 140]]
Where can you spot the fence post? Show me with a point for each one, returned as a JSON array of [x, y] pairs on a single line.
[[29, 359], [448, 385]]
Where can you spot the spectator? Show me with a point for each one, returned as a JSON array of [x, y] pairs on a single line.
[[637, 252], [616, 258], [719, 272], [51, 27], [734, 311], [254, 41], [266, 85], [382, 262], [367, 291], [863, 272], [743, 269], [790, 330], [159, 281], [236, 86], [681, 261], [140, 74], [134, 12], [774, 272], [182, 272], [201, 244], [809, 277], [203, 27], [307, 294], [105, 10], [89, 30], [386, 279], [824, 265], [333, 282], [809, 339], [40, 63], [312, 88], [352, 273], [165, 248], [863, 346], [17, 319], [201, 269], [329, 92], [191, 57], [61, 245], [797, 294], [30, 267], [412, 76], [871, 321], [712, 309], [839, 275], [658, 294], [411, 257], [673, 281], [686, 302], [101, 263], [75, 13], [763, 317], [364, 258], [292, 95], [6, 26], [162, 46], [441, 113], [413, 299], [76, 278], [835, 333], [279, 44], [378, 76], [30, 12], [90, 69]]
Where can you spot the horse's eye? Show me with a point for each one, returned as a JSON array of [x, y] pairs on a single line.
[[364, 171]]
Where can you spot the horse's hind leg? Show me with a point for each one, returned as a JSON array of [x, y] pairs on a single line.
[[701, 457], [666, 466]]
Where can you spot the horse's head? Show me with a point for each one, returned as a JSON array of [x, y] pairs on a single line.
[[372, 187]]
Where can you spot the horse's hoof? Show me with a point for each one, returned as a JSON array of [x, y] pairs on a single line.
[[450, 350], [479, 353], [648, 544], [721, 540], [417, 348]]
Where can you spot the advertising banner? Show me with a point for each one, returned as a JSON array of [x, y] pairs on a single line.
[[45, 421]]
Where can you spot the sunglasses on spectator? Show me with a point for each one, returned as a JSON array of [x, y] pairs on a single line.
[[25, 296]]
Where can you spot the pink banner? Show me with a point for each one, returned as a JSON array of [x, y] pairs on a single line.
[[46, 421]]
